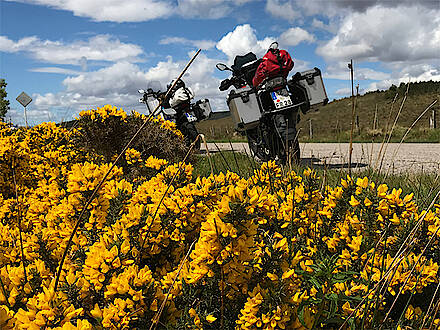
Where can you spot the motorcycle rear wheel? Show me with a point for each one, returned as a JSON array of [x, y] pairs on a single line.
[[256, 145]]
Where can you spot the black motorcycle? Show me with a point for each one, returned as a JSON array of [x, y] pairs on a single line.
[[267, 115], [184, 116]]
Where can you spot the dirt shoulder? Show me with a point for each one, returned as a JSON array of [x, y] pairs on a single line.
[[393, 158]]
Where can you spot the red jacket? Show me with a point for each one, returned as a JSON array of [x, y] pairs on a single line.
[[273, 66]]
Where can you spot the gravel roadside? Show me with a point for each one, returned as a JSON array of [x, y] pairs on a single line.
[[394, 158]]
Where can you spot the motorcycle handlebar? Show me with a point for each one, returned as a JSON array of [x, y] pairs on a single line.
[[225, 84], [238, 80]]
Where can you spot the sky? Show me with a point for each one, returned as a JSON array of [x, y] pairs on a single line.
[[73, 55]]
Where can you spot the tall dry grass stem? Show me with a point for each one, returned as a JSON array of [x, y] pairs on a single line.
[[394, 126], [162, 306], [411, 295], [89, 201], [385, 276], [408, 130], [5, 293], [376, 164], [430, 305], [165, 193], [350, 151], [411, 272], [431, 326], [393, 264], [207, 152], [235, 158], [248, 157], [223, 157]]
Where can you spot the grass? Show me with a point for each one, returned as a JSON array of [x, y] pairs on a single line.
[[424, 185], [225, 161]]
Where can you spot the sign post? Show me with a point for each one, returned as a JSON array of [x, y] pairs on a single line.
[[24, 100]]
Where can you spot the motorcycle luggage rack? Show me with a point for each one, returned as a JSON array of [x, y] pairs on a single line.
[[273, 83]]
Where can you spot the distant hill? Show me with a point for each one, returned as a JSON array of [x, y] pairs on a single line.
[[331, 123]]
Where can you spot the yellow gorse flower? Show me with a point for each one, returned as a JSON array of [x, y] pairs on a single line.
[[220, 245]]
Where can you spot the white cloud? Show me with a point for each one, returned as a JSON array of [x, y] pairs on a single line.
[[142, 10], [112, 10], [416, 73], [121, 77], [343, 91], [16, 116], [211, 9], [300, 65], [9, 46], [243, 40], [118, 85], [340, 71], [332, 27], [332, 8], [97, 48], [55, 70], [294, 36], [282, 9], [374, 36], [202, 44]]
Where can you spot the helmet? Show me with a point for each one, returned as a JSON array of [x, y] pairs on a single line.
[[179, 84], [181, 95]]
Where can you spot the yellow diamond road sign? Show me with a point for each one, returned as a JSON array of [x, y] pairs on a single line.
[[24, 99]]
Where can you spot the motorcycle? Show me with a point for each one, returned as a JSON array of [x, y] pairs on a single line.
[[185, 118], [268, 114]]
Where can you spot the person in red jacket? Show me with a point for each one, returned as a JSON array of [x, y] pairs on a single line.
[[276, 63]]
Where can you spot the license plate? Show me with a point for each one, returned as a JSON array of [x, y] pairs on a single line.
[[281, 101], [190, 116]]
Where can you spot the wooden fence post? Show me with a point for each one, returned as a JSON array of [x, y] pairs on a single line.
[[375, 119], [433, 119], [358, 128]]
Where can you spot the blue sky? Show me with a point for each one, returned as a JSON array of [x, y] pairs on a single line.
[[71, 55]]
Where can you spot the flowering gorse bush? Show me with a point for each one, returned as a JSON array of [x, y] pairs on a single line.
[[106, 131], [169, 250]]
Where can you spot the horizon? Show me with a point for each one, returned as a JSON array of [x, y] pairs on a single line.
[[71, 56]]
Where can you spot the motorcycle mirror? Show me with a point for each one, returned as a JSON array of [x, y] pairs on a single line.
[[141, 91], [222, 67], [274, 45]]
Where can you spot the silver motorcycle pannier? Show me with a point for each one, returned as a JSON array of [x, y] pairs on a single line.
[[205, 106], [311, 80], [244, 108]]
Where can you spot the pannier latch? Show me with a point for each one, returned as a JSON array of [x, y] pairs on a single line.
[[245, 97], [310, 80]]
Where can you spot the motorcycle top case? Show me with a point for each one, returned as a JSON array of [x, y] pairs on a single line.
[[311, 80], [244, 108]]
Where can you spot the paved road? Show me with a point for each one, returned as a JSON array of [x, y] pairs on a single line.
[[413, 157]]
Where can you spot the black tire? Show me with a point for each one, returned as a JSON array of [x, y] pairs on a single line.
[[255, 145], [190, 133]]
